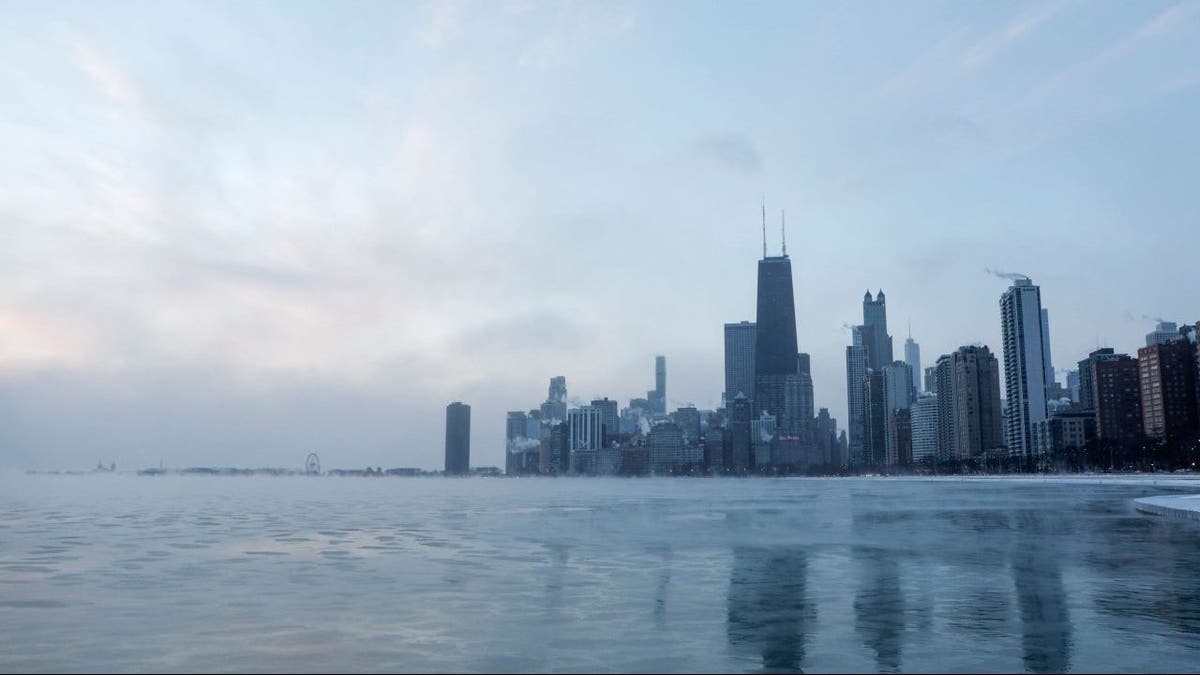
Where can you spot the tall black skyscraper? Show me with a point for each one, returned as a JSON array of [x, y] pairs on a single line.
[[876, 338], [458, 439], [775, 352]]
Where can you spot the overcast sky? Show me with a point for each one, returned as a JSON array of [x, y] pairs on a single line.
[[235, 233]]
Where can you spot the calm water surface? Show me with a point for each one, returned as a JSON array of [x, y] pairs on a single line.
[[122, 573]]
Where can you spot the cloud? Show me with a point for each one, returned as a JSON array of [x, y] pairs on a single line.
[[732, 151], [445, 24], [1020, 27], [105, 74]]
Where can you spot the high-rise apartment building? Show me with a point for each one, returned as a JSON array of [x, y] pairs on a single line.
[[947, 441], [1168, 390], [924, 420], [1026, 364], [1115, 384], [976, 399], [875, 421], [739, 360], [856, 372], [458, 439], [1087, 386]]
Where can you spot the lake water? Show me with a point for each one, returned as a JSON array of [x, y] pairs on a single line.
[[125, 573]]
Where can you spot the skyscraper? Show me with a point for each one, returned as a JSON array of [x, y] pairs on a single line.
[[856, 372], [805, 405], [458, 439], [1026, 359], [739, 360], [1164, 331], [1168, 390], [878, 342], [976, 401], [555, 408], [1087, 383], [968, 403], [775, 352], [875, 422], [924, 418], [658, 397], [1115, 385], [946, 440], [609, 418], [740, 416], [898, 393], [1048, 364], [912, 356]]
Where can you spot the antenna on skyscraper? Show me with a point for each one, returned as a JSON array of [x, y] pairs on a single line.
[[783, 228], [764, 210]]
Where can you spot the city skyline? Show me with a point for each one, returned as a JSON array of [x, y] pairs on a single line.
[[197, 282]]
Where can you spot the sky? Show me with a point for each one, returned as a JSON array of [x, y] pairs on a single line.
[[235, 233]]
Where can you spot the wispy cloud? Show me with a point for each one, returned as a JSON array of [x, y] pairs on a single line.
[[1021, 26], [108, 78]]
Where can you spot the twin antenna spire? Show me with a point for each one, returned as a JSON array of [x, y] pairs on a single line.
[[782, 227]]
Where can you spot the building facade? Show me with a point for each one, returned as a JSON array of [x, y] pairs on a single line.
[[1026, 358], [739, 360], [1167, 372], [458, 439]]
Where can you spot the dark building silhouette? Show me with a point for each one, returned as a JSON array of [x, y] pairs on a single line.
[[739, 360], [1114, 386], [1087, 375], [741, 458], [875, 419], [610, 419], [776, 362], [458, 439], [1168, 388], [875, 335], [657, 396]]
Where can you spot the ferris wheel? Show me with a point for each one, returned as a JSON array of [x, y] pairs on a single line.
[[312, 465]]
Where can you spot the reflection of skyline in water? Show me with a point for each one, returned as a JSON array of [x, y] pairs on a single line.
[[1041, 597], [879, 606], [768, 613], [775, 575]]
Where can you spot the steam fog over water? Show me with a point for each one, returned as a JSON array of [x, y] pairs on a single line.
[[117, 572]]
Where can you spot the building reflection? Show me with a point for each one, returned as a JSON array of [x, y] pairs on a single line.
[[879, 606], [769, 612], [1041, 598]]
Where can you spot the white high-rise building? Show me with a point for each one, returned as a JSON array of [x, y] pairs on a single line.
[[924, 427], [1046, 362], [1026, 363], [586, 425], [912, 356]]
